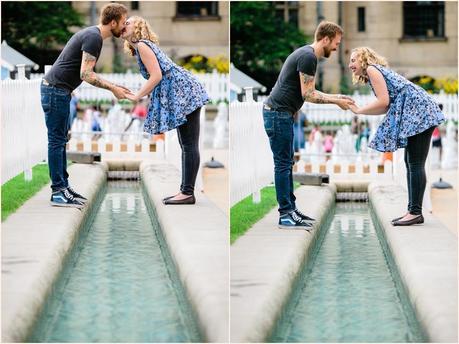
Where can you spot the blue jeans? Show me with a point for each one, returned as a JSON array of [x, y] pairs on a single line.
[[56, 106], [279, 127]]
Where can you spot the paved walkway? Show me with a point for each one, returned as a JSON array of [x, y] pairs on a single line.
[[216, 180], [444, 201]]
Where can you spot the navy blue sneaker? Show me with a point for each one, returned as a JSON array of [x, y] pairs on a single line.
[[63, 198], [293, 221], [303, 216], [76, 195]]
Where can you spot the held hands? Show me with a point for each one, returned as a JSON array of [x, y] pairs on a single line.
[[121, 92], [133, 98], [354, 109], [345, 103]]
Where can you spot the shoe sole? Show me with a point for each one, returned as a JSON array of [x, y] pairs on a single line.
[[64, 205], [295, 227], [178, 203]]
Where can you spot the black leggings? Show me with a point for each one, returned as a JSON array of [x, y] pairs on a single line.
[[415, 158], [188, 135]]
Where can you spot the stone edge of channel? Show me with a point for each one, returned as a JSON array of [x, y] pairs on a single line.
[[430, 283], [259, 326], [88, 182], [198, 240]]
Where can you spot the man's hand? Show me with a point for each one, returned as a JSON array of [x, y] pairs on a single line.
[[345, 104], [342, 96], [121, 92]]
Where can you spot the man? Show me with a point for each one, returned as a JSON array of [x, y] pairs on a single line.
[[295, 85], [74, 65]]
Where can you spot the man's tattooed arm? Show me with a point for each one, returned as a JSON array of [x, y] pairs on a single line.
[[87, 73], [310, 94]]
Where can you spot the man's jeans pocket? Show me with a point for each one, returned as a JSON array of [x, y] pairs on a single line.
[[268, 119]]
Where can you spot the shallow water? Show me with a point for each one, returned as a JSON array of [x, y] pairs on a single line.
[[119, 284], [348, 291]]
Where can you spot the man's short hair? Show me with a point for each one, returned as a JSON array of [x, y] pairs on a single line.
[[327, 29], [111, 12]]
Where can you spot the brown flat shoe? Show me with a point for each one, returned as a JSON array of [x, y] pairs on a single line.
[[189, 200], [416, 221]]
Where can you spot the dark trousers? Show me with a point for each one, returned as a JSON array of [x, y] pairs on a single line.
[[188, 135], [279, 128], [56, 106], [415, 158]]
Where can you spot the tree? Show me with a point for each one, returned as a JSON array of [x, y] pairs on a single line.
[[260, 41], [40, 25]]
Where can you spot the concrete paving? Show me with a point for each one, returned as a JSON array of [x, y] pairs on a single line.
[[35, 242], [444, 201], [264, 264], [198, 240], [216, 180]]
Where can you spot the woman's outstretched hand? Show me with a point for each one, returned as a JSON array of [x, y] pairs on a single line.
[[132, 97], [354, 108]]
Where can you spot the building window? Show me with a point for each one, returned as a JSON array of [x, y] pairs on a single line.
[[134, 5], [423, 19], [287, 11], [361, 19], [197, 9]]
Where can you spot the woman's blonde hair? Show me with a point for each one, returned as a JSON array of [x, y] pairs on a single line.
[[365, 57], [142, 30]]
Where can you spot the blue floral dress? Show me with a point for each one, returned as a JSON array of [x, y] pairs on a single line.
[[411, 111], [178, 94]]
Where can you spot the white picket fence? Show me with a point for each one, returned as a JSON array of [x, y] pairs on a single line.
[[24, 138], [251, 160], [215, 84]]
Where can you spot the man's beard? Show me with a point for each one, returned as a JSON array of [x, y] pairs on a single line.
[[116, 33], [327, 52]]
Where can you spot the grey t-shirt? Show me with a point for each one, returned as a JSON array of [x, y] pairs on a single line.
[[286, 93], [65, 72]]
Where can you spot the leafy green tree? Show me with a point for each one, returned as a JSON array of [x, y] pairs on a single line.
[[260, 41], [40, 25]]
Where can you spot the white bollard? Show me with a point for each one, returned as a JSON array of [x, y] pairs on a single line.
[[256, 197], [387, 169], [300, 166], [329, 167], [159, 149], [87, 143]]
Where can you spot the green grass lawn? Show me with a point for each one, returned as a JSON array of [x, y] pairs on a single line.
[[16, 191], [245, 213]]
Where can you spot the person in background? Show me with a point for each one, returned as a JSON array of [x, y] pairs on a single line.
[[73, 108], [298, 130], [139, 113], [436, 136], [328, 143], [313, 133]]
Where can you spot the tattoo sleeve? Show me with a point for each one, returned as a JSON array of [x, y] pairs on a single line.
[[87, 72], [312, 95]]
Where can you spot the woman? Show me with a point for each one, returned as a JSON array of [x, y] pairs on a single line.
[[412, 116], [175, 101]]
